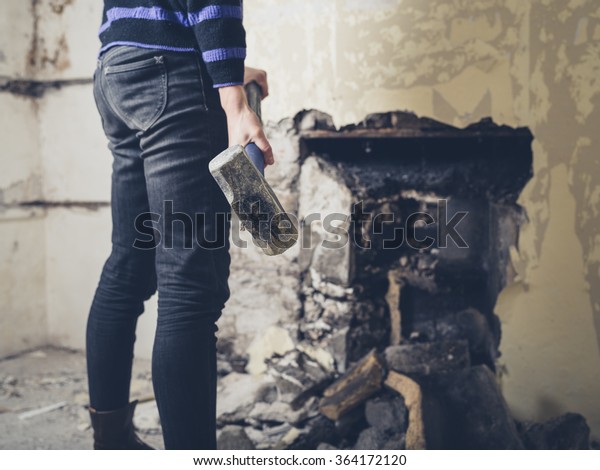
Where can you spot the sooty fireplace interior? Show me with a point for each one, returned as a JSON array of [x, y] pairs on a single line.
[[406, 228]]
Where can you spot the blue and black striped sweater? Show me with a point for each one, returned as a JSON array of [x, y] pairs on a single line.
[[210, 27]]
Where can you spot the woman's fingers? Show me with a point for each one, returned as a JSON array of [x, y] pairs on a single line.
[[263, 144], [259, 76]]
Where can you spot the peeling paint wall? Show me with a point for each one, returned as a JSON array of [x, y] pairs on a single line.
[[524, 63], [529, 63]]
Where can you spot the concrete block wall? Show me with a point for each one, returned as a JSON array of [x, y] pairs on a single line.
[[55, 178], [17, 33], [76, 163], [22, 229], [67, 42], [23, 275]]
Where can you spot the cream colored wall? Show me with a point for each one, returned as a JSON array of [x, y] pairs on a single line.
[[524, 63], [22, 230], [53, 154]]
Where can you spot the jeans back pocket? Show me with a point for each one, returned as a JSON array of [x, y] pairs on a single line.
[[137, 90]]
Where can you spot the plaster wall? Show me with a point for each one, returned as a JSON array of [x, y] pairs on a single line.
[[524, 63]]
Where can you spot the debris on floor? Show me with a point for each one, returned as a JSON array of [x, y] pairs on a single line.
[[43, 394]]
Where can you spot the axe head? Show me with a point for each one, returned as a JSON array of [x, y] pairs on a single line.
[[253, 200]]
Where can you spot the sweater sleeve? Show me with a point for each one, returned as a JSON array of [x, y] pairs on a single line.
[[221, 38]]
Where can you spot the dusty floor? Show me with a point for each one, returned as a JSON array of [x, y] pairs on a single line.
[[56, 378]]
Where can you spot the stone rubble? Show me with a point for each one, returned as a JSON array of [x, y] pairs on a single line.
[[567, 432], [297, 376], [233, 437], [237, 394]]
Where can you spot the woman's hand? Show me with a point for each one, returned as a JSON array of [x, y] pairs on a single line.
[[243, 125], [259, 76]]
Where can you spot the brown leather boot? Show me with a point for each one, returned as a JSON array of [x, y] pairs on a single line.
[[113, 430]]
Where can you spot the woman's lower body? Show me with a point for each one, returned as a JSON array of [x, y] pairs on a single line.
[[170, 233]]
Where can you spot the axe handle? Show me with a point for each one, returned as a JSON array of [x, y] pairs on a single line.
[[254, 95]]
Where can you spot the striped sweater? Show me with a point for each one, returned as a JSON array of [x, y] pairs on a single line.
[[210, 27]]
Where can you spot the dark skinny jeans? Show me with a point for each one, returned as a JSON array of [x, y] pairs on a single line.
[[164, 123]]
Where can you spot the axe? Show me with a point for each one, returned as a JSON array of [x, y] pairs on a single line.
[[239, 172]]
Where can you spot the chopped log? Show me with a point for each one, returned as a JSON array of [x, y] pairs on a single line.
[[413, 399], [359, 383]]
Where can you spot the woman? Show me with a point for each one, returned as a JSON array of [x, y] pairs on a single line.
[[168, 88]]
